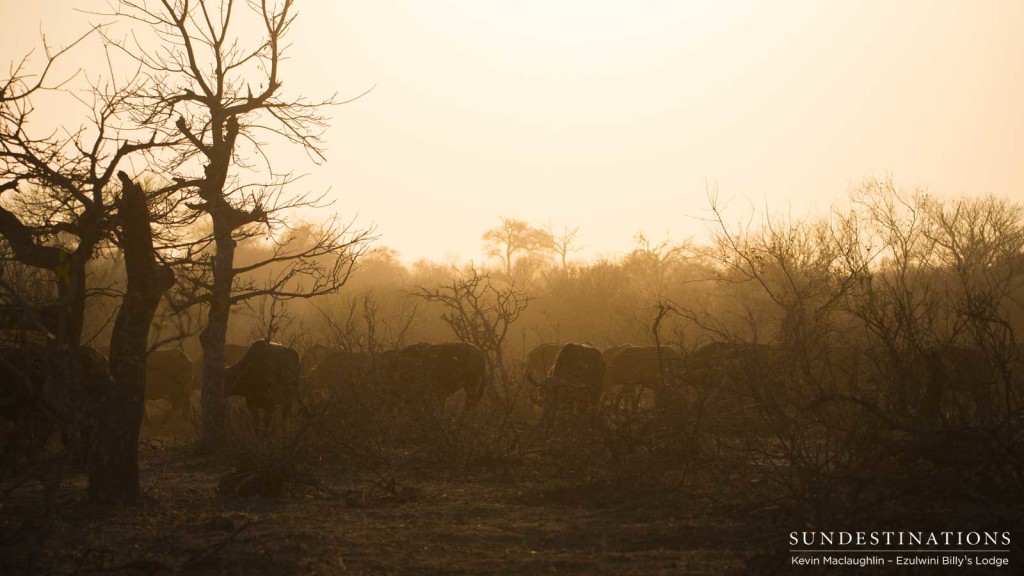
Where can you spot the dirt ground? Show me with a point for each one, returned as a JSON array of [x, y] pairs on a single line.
[[514, 522], [532, 516]]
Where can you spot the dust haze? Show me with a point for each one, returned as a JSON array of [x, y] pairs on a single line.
[[213, 362]]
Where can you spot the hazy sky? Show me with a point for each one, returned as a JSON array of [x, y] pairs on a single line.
[[613, 116]]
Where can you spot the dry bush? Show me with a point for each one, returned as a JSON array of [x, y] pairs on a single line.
[[373, 427], [265, 464], [889, 341]]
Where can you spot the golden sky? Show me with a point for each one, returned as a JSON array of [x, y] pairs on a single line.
[[613, 115]]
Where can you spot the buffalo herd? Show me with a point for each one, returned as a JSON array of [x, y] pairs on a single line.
[[947, 383], [27, 375], [938, 383], [267, 375], [580, 377]]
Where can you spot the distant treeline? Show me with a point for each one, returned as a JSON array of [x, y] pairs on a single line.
[[892, 269]]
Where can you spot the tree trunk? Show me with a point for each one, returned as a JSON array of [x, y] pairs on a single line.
[[65, 387], [214, 335], [226, 219], [74, 296], [114, 456]]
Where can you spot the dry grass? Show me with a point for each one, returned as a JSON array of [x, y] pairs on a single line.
[[624, 493], [526, 524]]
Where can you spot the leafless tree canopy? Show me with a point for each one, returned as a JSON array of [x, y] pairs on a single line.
[[215, 88]]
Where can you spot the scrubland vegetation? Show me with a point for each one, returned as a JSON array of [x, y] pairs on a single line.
[[857, 368], [854, 368]]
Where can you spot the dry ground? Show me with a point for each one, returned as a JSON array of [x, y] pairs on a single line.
[[529, 518], [518, 521]]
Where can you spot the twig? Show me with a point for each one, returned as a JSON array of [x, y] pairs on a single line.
[[209, 551]]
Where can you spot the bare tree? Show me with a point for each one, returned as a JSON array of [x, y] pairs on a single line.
[[793, 263], [480, 311], [58, 212], [563, 243], [895, 295], [651, 265], [512, 238], [366, 322], [62, 210], [114, 455], [980, 242], [215, 71]]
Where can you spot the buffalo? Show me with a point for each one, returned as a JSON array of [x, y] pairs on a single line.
[[574, 381], [27, 400], [340, 371], [445, 368], [630, 370], [233, 354], [956, 383], [268, 376], [22, 375], [611, 352], [92, 372], [721, 376], [92, 369], [22, 380], [315, 355], [541, 358], [717, 363], [170, 375]]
